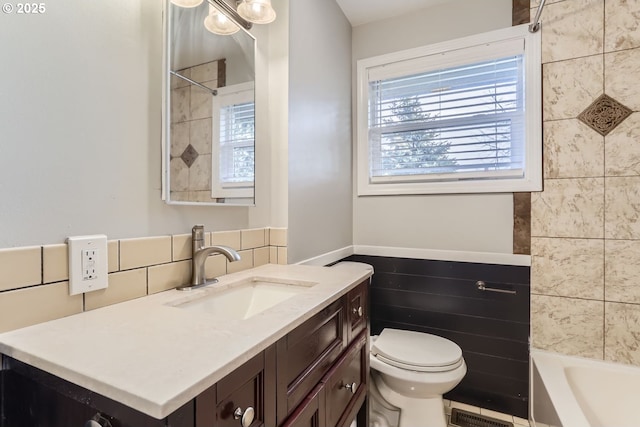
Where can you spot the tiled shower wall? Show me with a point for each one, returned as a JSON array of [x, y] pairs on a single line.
[[586, 223], [34, 283]]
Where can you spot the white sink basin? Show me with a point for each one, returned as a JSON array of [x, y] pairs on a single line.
[[243, 299]]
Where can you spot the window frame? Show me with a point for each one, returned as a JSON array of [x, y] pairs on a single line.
[[474, 46]]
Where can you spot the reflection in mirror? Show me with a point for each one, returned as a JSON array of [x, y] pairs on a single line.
[[209, 112]]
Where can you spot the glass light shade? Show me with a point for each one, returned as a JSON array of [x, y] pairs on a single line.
[[187, 3], [218, 23], [257, 11]]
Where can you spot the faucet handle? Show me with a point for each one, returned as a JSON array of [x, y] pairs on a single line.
[[197, 232]]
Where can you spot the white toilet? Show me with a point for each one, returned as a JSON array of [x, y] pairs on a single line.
[[411, 371]]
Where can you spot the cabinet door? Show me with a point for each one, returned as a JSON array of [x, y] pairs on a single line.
[[311, 412], [358, 309]]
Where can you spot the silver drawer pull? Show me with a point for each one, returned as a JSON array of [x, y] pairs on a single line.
[[246, 417], [357, 311], [351, 387], [483, 287]]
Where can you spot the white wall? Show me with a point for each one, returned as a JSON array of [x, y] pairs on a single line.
[[320, 200], [481, 223], [80, 129]]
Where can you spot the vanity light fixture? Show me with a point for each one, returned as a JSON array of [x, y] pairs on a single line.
[[257, 11], [224, 19], [218, 23], [187, 3]]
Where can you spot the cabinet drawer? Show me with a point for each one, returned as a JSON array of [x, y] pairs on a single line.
[[305, 355], [358, 310], [346, 384]]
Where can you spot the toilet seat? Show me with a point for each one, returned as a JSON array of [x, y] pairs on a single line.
[[416, 351]]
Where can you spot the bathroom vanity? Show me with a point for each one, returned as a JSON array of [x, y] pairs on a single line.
[[300, 362]]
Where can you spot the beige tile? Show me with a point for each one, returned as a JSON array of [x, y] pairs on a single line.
[[113, 247], [168, 276], [226, 238], [282, 256], [621, 69], [572, 150], [123, 286], [179, 138], [622, 329], [25, 307], [571, 86], [253, 238], [622, 148], [201, 105], [568, 325], [622, 208], [267, 236], [278, 237], [622, 267], [569, 208], [145, 251], [260, 256], [215, 266], [622, 24], [568, 267], [20, 267], [55, 263], [180, 101], [273, 254], [246, 262], [496, 415], [205, 72], [181, 247], [200, 135], [571, 29], [521, 422], [200, 174], [465, 407]]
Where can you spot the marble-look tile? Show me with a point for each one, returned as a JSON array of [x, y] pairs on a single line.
[[168, 276], [246, 262], [253, 238], [622, 72], [205, 72], [571, 86], [141, 252], [226, 238], [622, 148], [520, 12], [55, 263], [622, 333], [179, 138], [113, 247], [622, 267], [179, 175], [535, 3], [568, 325], [569, 208], [123, 286], [622, 24], [622, 207], [180, 104], [260, 256], [568, 267], [200, 135], [37, 304], [177, 82], [572, 150], [200, 174], [571, 29], [20, 267], [522, 223], [201, 103]]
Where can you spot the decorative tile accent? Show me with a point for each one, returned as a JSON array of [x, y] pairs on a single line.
[[622, 24], [189, 155], [568, 267], [622, 333], [622, 72], [622, 208], [568, 325], [622, 148], [568, 87], [569, 208], [604, 114], [572, 150], [622, 267]]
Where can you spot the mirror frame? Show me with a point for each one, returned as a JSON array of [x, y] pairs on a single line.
[[166, 115]]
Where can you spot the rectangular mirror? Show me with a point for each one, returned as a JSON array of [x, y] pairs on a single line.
[[208, 111]]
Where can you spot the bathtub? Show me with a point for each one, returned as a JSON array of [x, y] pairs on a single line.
[[575, 392]]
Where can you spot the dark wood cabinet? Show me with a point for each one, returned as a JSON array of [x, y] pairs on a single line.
[[314, 376]]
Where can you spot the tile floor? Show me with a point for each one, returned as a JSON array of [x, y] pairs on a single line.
[[517, 422]]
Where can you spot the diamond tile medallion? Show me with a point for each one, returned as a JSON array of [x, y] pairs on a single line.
[[189, 155], [604, 114]]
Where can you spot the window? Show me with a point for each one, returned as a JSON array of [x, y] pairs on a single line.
[[456, 117], [234, 156]]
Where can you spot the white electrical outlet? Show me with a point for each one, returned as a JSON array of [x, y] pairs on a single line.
[[87, 263]]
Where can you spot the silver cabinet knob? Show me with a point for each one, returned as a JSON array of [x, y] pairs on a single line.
[[98, 421], [357, 311], [351, 387], [246, 417]]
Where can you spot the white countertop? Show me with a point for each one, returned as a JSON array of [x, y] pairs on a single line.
[[154, 357]]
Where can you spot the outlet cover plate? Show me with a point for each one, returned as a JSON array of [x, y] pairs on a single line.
[[86, 281]]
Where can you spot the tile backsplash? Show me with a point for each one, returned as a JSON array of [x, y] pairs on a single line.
[[34, 283], [586, 223]]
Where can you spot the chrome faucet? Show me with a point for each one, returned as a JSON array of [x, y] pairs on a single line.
[[200, 255]]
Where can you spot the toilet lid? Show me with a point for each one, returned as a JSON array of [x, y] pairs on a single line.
[[416, 350]]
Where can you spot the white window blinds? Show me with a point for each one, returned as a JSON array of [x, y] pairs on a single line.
[[237, 132]]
